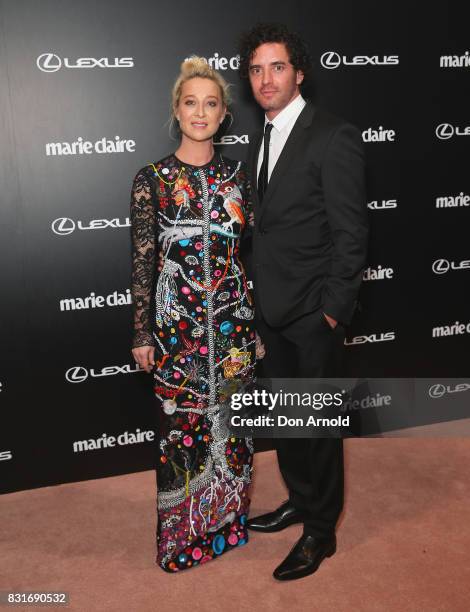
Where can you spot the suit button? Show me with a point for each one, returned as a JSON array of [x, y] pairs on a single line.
[[263, 232]]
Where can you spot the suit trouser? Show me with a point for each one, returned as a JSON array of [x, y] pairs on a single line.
[[312, 468]]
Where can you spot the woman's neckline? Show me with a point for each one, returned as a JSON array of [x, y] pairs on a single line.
[[211, 161]]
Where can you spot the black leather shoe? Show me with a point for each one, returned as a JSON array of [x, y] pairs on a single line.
[[305, 557], [281, 518]]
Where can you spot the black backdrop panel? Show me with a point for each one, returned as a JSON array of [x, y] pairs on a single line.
[[68, 379]]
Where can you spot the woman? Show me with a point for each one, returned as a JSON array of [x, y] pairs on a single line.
[[200, 334]]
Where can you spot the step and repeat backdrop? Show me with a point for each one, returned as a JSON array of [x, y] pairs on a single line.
[[85, 95]]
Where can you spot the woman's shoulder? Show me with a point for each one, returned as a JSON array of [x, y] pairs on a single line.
[[163, 168], [234, 164]]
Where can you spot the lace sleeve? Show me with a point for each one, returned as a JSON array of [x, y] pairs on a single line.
[[143, 230]]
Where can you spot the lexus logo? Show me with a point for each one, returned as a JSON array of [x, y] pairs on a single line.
[[231, 139], [444, 131], [437, 390], [49, 62], [63, 226], [77, 374], [440, 266], [330, 60]]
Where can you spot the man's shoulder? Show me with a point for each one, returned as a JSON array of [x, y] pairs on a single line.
[[328, 120], [328, 123]]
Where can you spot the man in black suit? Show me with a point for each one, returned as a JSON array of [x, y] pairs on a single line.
[[309, 252]]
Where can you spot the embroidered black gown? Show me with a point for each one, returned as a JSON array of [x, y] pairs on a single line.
[[198, 313]]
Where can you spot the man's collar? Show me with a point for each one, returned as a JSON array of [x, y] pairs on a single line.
[[293, 109]]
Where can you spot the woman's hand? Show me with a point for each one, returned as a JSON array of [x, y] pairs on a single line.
[[260, 350], [145, 357]]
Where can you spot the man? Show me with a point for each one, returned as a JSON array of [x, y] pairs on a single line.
[[309, 253]]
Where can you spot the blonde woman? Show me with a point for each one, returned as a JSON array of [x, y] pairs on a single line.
[[193, 324]]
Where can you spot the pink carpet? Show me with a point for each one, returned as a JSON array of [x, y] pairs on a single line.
[[403, 541]]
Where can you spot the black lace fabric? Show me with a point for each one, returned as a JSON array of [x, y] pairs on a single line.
[[143, 249]]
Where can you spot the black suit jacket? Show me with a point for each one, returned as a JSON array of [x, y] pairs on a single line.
[[311, 230]]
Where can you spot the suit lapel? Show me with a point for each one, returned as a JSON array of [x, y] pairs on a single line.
[[287, 154], [256, 143]]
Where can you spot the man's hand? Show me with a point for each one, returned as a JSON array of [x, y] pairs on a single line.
[[260, 350], [145, 357], [161, 261], [331, 322]]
